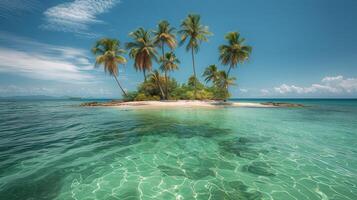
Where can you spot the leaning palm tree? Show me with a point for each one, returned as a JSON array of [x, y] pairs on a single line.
[[169, 63], [109, 55], [196, 33], [211, 74], [156, 78], [235, 51], [164, 35], [142, 50]]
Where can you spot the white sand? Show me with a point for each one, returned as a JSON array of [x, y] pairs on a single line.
[[187, 104]]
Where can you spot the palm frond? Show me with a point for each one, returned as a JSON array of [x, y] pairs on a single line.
[[142, 49], [234, 51], [109, 55], [192, 29]]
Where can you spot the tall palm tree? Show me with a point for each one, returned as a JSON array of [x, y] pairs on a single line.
[[211, 74], [109, 55], [169, 63], [165, 35], [142, 50], [156, 78], [235, 51], [195, 32]]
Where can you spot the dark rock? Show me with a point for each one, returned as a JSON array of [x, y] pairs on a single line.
[[110, 103], [90, 104]]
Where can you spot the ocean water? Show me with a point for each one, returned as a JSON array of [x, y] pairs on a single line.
[[58, 150]]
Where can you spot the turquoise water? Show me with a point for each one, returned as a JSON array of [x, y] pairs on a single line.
[[57, 150]]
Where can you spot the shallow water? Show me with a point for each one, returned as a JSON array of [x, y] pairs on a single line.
[[57, 150]]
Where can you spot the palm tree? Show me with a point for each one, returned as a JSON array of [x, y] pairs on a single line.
[[142, 50], [211, 74], [156, 78], [109, 54], [223, 81], [196, 33], [165, 35], [235, 51], [169, 63]]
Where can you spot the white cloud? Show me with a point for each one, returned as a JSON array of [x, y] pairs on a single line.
[[264, 92], [335, 85], [55, 90], [282, 89], [76, 16], [243, 90], [39, 66], [43, 61]]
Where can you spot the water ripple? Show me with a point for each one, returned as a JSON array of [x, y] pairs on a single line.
[[54, 150]]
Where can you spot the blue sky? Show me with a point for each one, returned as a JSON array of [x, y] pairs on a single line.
[[300, 48]]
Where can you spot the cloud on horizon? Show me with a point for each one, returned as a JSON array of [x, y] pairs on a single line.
[[43, 61], [264, 92], [243, 90], [56, 91], [328, 85], [76, 16]]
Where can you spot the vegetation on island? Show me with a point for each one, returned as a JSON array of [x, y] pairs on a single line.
[[144, 49]]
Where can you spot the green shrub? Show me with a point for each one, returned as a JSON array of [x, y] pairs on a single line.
[[140, 97], [149, 91], [130, 96], [143, 97], [204, 95]]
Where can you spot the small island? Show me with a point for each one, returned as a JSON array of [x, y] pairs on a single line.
[[108, 100], [161, 90], [188, 104]]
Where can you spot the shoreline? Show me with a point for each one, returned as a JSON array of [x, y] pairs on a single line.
[[188, 104]]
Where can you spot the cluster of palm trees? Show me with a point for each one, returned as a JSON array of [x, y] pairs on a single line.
[[220, 79], [143, 49]]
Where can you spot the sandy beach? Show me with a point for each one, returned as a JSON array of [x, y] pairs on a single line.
[[188, 104]]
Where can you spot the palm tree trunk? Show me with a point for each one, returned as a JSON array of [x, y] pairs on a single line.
[[120, 86], [161, 90], [194, 72], [163, 60], [144, 68], [226, 88], [229, 70], [166, 86], [144, 71]]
